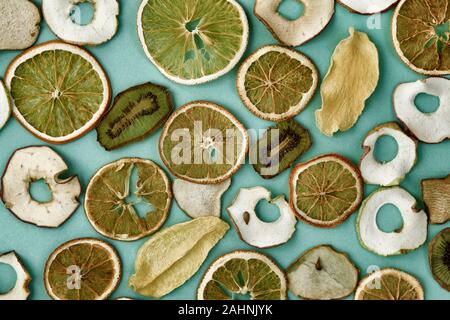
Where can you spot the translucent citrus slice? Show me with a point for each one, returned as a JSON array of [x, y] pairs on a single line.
[[439, 258], [82, 269], [59, 91], [203, 143], [243, 273], [193, 41], [421, 34], [389, 284], [326, 190], [111, 205], [276, 83]]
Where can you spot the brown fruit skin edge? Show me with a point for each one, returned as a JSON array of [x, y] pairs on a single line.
[[149, 132], [26, 285], [367, 14], [423, 196], [87, 129], [261, 115], [2, 188], [157, 227], [245, 251], [344, 217], [203, 103], [430, 253], [330, 247], [74, 242]]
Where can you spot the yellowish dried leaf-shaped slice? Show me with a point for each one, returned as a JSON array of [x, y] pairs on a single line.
[[352, 78]]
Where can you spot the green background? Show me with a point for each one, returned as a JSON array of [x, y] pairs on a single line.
[[126, 64]]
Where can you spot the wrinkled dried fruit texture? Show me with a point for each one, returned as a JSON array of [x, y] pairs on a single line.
[[241, 276], [168, 30], [275, 82], [423, 33], [436, 195], [57, 92], [95, 265], [174, 255], [279, 147], [352, 78], [109, 210], [439, 258]]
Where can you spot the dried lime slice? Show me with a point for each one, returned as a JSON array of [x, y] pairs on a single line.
[[59, 91], [439, 258], [326, 190], [193, 41], [389, 284], [243, 273], [421, 34], [110, 207], [82, 269], [276, 83], [203, 143]]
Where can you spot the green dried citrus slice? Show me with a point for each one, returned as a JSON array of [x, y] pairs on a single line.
[[82, 269], [421, 34], [326, 190], [193, 41], [389, 284], [276, 83], [243, 273], [439, 258], [59, 91], [111, 204], [203, 143]]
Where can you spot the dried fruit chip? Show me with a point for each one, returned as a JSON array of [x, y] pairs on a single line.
[[439, 258], [436, 196], [5, 105], [368, 6], [21, 290]]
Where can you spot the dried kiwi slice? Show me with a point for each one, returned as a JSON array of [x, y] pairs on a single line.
[[136, 113], [439, 258], [279, 147]]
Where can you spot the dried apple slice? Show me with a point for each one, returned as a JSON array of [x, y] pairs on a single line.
[[367, 6], [5, 105], [21, 289], [436, 196]]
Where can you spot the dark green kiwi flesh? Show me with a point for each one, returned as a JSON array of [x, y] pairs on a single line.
[[439, 258]]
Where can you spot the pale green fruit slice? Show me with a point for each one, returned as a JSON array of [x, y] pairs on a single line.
[[421, 35], [193, 41], [276, 83], [203, 143], [5, 105], [174, 255], [59, 91], [439, 258], [389, 284], [82, 269], [109, 208], [243, 273], [326, 190]]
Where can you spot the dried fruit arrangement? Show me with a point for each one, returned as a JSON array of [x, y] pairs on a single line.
[[59, 92]]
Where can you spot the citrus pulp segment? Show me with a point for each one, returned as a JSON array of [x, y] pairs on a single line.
[[193, 41], [59, 91]]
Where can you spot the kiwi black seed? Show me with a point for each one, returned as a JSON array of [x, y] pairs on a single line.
[[439, 258], [279, 147], [135, 114]]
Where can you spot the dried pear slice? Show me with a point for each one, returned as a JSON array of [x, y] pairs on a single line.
[[203, 143], [389, 284], [316, 16], [279, 147], [200, 200], [111, 212], [135, 114], [326, 190], [174, 255], [193, 41], [19, 24], [5, 105], [59, 91], [82, 269], [351, 79], [101, 28], [32, 164], [392, 172], [439, 258], [420, 31], [368, 6], [411, 236], [436, 196], [276, 83], [427, 127], [240, 273], [322, 273], [21, 289], [253, 230]]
